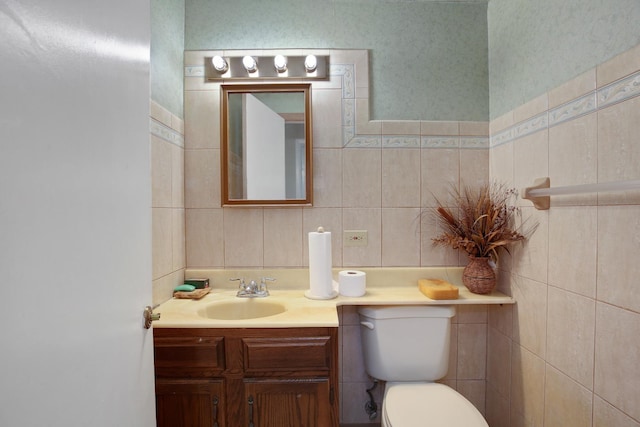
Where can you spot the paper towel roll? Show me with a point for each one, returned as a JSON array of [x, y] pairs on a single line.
[[320, 275], [353, 283]]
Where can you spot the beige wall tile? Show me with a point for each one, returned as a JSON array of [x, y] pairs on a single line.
[[400, 178], [439, 128], [162, 288], [573, 249], [177, 176], [570, 334], [584, 83], [400, 237], [401, 127], [530, 258], [177, 124], [472, 351], [243, 237], [474, 391], [606, 415], [197, 57], [178, 239], [567, 403], [497, 411], [618, 149], [327, 119], [474, 128], [474, 167], [573, 157], [501, 123], [527, 387], [531, 108], [529, 316], [202, 119], [501, 165], [162, 244], [499, 362], [283, 237], [620, 66], [362, 170], [452, 372], [352, 356], [617, 371], [365, 126], [202, 178], [471, 314], [161, 175], [363, 219], [204, 238], [327, 178], [440, 174], [530, 160], [501, 318], [434, 255], [159, 113], [618, 246]]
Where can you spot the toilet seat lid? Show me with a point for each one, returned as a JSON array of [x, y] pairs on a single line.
[[432, 404]]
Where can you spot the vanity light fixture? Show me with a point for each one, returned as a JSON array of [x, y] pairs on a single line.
[[310, 63], [281, 66], [250, 64], [280, 62], [220, 64]]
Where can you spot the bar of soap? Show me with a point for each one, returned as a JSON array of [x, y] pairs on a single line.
[[438, 289], [184, 288]]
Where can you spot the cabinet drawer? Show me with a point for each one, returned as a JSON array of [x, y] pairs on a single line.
[[189, 356], [287, 354]]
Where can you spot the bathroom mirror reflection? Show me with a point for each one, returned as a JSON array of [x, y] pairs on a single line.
[[266, 144]]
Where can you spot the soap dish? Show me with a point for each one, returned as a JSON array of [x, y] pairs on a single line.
[[197, 294]]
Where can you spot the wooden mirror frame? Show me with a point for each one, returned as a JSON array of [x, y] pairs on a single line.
[[228, 89]]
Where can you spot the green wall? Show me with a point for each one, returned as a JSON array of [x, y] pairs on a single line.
[[536, 45], [167, 52], [428, 59]]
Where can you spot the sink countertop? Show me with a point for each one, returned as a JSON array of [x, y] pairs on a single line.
[[305, 312]]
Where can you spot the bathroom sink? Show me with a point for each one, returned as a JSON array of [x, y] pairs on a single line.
[[242, 309]]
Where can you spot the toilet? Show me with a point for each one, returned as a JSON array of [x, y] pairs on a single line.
[[408, 347]]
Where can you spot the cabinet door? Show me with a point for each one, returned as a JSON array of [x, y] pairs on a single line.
[[289, 402], [190, 403]]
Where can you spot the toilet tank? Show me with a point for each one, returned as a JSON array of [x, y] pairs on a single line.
[[406, 343]]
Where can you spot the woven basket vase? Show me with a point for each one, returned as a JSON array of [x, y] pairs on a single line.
[[478, 276]]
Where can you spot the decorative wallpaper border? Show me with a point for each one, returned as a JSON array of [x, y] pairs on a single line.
[[163, 131], [618, 91]]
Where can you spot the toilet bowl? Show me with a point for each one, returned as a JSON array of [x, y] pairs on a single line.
[[408, 347]]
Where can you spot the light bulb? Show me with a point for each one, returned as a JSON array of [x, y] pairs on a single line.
[[310, 63], [219, 64], [280, 62], [250, 64]]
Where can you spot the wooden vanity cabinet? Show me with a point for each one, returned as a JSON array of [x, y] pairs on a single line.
[[276, 377]]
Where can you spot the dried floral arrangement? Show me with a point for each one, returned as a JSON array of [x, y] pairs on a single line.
[[481, 223]]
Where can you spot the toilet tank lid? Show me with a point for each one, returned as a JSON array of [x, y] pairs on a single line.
[[406, 311]]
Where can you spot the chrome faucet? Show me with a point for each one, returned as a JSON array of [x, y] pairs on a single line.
[[253, 289]]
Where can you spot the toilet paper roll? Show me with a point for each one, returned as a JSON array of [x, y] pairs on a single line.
[[352, 283], [320, 275]]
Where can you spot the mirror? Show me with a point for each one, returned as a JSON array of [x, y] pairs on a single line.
[[266, 145]]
